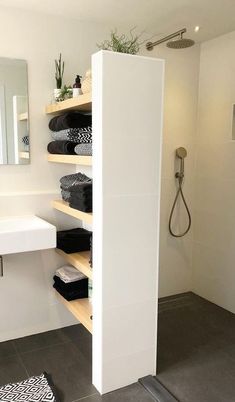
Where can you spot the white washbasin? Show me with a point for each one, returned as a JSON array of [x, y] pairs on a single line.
[[19, 234]]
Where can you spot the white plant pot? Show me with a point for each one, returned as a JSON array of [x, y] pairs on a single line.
[[57, 92]]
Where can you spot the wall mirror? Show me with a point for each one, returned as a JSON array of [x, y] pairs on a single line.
[[14, 121]]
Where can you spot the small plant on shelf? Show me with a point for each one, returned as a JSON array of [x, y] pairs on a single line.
[[65, 93], [59, 72], [122, 43]]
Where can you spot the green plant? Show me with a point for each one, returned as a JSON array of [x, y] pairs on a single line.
[[65, 93], [122, 43], [59, 72]]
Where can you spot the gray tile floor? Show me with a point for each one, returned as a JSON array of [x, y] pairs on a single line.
[[196, 349], [66, 355]]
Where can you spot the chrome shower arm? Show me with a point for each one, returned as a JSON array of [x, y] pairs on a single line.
[[150, 45]]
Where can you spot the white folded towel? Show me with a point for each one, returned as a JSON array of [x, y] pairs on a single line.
[[69, 274]]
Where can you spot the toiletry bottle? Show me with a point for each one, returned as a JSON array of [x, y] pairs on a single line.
[[77, 87]]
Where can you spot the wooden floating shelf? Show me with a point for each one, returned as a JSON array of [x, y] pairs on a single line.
[[24, 155], [78, 260], [23, 116], [81, 309], [74, 159], [82, 102], [63, 206]]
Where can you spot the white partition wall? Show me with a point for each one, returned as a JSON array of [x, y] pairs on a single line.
[[127, 104]]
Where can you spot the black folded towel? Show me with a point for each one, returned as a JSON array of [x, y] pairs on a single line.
[[81, 284], [81, 188], [61, 147], [83, 198], [80, 206], [74, 233], [70, 120], [73, 240], [73, 294]]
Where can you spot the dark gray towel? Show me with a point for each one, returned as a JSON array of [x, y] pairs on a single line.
[[61, 147], [70, 120]]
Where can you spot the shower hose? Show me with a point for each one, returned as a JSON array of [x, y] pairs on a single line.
[[179, 193]]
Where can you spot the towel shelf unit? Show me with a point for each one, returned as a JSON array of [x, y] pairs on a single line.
[[82, 103], [81, 309], [63, 206], [78, 260], [73, 159]]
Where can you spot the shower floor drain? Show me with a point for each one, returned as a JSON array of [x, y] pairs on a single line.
[[156, 389]]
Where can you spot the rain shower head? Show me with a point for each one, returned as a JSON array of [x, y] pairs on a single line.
[[180, 43]]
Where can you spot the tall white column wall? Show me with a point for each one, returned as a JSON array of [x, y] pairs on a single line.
[[127, 130]]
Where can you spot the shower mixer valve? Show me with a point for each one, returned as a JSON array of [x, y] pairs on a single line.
[[179, 175]]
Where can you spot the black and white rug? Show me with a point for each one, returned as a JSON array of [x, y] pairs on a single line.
[[34, 389]]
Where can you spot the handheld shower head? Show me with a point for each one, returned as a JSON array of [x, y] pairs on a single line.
[[181, 152]]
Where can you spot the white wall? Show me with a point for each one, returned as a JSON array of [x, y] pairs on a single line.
[[180, 118], [127, 156], [214, 229], [27, 301]]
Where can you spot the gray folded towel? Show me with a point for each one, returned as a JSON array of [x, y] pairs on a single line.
[[83, 149], [65, 195], [74, 179]]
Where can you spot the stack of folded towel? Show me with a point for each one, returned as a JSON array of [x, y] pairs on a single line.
[[74, 240], [71, 133], [70, 283], [77, 190]]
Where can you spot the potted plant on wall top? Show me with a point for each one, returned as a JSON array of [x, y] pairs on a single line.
[[123, 43]]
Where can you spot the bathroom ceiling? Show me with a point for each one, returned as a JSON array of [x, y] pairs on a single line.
[[156, 17]]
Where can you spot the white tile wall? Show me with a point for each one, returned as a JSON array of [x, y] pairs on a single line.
[[214, 243]]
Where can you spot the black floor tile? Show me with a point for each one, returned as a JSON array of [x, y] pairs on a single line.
[[7, 349], [132, 393], [70, 370], [39, 341], [11, 370], [81, 339], [205, 377], [196, 350]]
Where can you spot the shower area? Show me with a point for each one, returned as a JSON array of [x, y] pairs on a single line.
[[196, 321]]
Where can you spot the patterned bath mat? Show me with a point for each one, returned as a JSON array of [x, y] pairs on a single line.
[[34, 389]]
